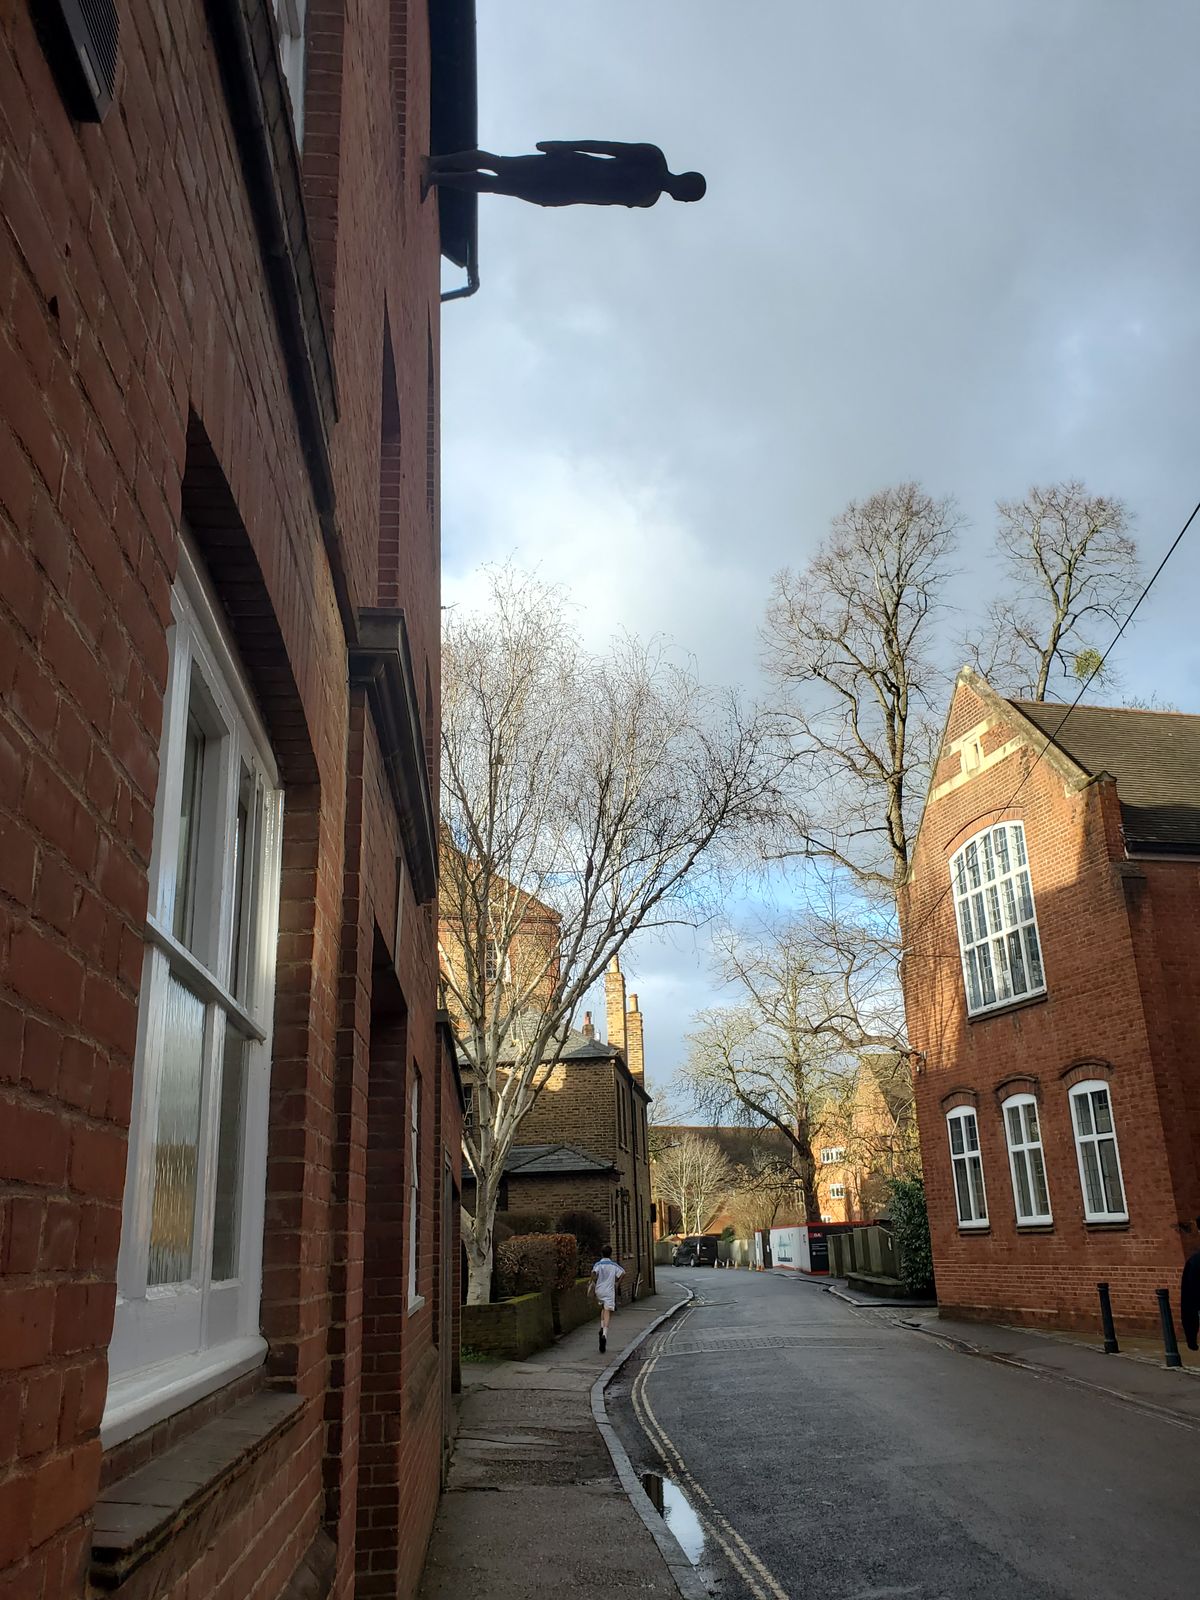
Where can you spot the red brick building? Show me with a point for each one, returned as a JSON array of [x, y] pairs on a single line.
[[229, 1112], [1052, 982]]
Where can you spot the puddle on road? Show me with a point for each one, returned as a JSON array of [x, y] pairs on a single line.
[[669, 1500]]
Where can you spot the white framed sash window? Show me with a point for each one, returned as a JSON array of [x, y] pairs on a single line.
[[1026, 1159], [995, 919], [1096, 1148], [966, 1162], [189, 1275]]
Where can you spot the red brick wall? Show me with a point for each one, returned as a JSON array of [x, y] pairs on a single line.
[[144, 377], [1098, 962]]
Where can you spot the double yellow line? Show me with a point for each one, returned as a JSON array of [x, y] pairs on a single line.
[[761, 1583]]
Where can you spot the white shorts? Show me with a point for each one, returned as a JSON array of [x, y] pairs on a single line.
[[607, 1302]]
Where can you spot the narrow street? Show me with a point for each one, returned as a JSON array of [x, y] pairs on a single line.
[[831, 1452]]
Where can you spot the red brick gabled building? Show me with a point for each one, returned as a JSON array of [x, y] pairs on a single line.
[[229, 1113], [1051, 974]]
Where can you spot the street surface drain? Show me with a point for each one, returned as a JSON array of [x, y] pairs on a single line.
[[673, 1506]]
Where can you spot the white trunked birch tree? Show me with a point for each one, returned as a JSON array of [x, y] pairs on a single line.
[[583, 798]]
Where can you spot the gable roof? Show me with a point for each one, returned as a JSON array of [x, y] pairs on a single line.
[[548, 1160], [1153, 755]]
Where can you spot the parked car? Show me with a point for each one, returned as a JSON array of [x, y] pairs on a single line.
[[698, 1250]]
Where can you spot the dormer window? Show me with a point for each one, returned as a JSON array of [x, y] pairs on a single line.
[[997, 927]]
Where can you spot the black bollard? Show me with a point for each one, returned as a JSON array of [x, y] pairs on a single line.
[[1111, 1347], [1170, 1344]]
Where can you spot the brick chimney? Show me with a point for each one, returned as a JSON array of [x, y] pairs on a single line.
[[588, 1030], [634, 1054], [614, 1002]]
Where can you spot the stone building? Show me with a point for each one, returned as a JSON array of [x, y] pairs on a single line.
[[584, 1145], [229, 1112], [1051, 972]]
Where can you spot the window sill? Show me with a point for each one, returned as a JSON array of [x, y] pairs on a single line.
[[140, 1399], [1107, 1225], [415, 1303], [973, 1230], [166, 1501], [1008, 1008], [1036, 1227]]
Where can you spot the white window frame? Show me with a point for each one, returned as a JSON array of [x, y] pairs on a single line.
[[1081, 1092], [415, 1300], [833, 1155], [837, 1191], [290, 17], [495, 970], [971, 1152], [175, 1342], [995, 919], [1026, 1153]]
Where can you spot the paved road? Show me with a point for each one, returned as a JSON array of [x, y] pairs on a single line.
[[833, 1455]]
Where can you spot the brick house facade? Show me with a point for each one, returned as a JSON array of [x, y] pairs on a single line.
[[1051, 976], [228, 1161], [584, 1144]]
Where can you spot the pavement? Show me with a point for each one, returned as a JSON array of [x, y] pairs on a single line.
[[831, 1450], [535, 1505]]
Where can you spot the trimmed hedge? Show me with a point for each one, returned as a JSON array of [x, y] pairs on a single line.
[[519, 1222], [910, 1229], [535, 1263]]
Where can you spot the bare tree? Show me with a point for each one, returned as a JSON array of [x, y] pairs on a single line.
[[782, 1053], [579, 796], [765, 1195], [870, 1115], [693, 1174], [1071, 565], [849, 643]]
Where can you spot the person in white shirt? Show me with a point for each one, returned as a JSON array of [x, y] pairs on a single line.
[[606, 1274]]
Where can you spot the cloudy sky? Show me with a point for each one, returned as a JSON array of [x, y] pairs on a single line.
[[944, 239]]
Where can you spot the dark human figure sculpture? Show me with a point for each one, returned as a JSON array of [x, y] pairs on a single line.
[[569, 172]]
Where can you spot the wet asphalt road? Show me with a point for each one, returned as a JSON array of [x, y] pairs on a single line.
[[846, 1458]]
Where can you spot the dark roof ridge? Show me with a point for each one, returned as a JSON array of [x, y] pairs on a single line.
[[1133, 711]]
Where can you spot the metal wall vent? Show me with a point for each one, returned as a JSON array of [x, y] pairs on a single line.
[[80, 40]]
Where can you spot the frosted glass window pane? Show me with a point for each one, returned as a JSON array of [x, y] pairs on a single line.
[[1041, 1194], [1020, 1172], [184, 914], [1091, 1178], [1017, 963], [963, 1192], [1036, 977], [1114, 1198], [988, 867], [976, 1169], [1102, 1110], [1000, 837], [227, 1211], [985, 976], [172, 1218]]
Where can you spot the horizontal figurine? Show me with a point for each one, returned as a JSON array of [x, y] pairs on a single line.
[[568, 172]]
